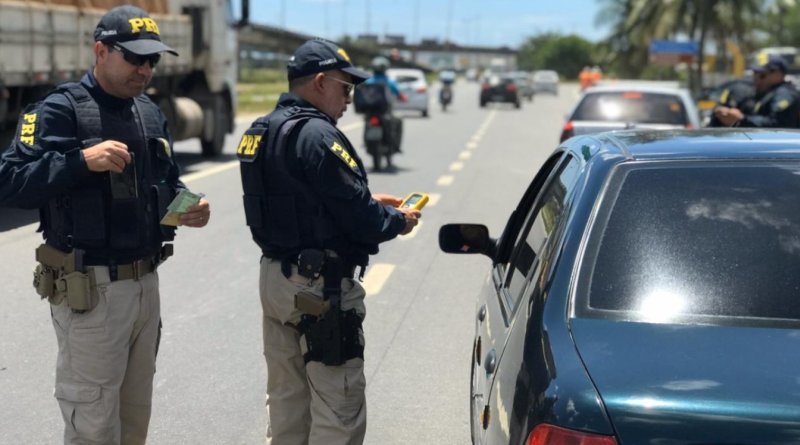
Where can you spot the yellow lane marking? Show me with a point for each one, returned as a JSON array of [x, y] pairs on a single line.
[[456, 166], [472, 145], [433, 199], [376, 277], [352, 126], [464, 155], [445, 180]]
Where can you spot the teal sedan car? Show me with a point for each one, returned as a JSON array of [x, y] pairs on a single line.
[[645, 291]]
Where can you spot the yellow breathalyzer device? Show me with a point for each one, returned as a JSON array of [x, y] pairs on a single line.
[[415, 201]]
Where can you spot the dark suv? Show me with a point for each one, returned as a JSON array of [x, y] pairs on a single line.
[[499, 89]]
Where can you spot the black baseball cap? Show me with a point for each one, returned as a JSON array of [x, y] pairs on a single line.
[[769, 62], [318, 55], [132, 29]]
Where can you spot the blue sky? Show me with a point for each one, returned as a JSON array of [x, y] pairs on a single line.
[[467, 22]]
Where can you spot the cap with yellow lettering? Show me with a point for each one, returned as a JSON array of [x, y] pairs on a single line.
[[132, 29]]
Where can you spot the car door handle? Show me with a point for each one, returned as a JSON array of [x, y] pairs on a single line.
[[482, 313], [490, 362]]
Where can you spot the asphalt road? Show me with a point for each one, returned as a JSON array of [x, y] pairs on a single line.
[[210, 384]]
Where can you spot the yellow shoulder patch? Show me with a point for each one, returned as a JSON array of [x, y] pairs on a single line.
[[784, 104], [342, 154], [248, 146], [723, 98], [28, 129]]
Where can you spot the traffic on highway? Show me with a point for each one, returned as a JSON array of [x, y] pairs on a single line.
[[381, 241]]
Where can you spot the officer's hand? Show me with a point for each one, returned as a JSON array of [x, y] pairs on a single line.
[[108, 155], [412, 219], [388, 200], [196, 215], [728, 116]]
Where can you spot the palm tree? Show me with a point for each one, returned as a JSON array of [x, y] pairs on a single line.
[[638, 22]]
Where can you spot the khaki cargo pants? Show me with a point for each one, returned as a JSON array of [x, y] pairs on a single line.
[[106, 362], [308, 404]]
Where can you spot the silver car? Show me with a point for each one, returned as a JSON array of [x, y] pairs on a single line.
[[413, 85], [621, 105]]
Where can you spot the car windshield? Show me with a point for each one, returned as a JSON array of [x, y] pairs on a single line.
[[682, 242], [632, 106]]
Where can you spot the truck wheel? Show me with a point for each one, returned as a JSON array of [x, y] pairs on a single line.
[[221, 113]]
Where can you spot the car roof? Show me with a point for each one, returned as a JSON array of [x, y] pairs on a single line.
[[706, 144], [644, 87]]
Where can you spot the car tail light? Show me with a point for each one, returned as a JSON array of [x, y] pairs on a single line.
[[511, 87], [485, 86], [422, 89], [568, 131], [545, 434], [689, 126], [375, 121]]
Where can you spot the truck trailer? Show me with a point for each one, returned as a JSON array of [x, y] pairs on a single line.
[[46, 42]]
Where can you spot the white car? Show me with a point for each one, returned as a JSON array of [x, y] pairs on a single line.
[[631, 104], [413, 85], [545, 81]]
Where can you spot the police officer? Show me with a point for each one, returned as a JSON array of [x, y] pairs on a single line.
[[305, 190], [95, 157], [776, 101], [738, 94]]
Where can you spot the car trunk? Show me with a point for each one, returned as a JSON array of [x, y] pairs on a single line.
[[682, 384], [591, 127]]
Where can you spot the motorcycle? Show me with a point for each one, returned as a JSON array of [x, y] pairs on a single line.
[[382, 136], [445, 96]]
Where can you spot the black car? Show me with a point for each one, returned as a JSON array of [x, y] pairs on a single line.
[[500, 89], [644, 291]]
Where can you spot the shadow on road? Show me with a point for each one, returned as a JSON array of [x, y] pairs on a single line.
[[13, 218]]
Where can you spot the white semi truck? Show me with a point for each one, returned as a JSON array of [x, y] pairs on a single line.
[[46, 42]]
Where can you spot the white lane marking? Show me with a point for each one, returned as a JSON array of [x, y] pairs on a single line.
[[464, 155], [472, 145], [456, 166], [376, 277], [209, 171], [434, 199], [445, 180]]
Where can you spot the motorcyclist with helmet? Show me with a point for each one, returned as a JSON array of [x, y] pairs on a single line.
[[379, 66]]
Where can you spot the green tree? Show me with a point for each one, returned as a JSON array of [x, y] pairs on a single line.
[[563, 54], [635, 23]]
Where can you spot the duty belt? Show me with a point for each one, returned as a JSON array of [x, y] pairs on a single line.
[[348, 270], [138, 268]]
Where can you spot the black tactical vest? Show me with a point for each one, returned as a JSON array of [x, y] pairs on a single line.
[[284, 214], [109, 225]]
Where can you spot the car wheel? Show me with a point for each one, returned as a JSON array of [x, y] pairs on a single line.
[[483, 104], [517, 104], [425, 113]]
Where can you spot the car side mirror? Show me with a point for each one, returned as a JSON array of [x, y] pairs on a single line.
[[467, 238]]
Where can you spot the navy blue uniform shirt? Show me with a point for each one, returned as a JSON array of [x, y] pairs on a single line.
[[45, 160], [321, 156]]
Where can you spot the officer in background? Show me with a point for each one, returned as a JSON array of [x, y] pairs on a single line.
[[738, 94], [307, 203], [95, 157], [776, 101]]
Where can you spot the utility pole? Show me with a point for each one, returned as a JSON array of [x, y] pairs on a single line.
[[449, 20], [366, 8], [415, 37]]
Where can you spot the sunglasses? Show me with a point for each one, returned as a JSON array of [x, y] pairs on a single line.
[[348, 87], [137, 60]]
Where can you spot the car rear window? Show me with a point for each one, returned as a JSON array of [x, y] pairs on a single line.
[[632, 106], [682, 242]]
